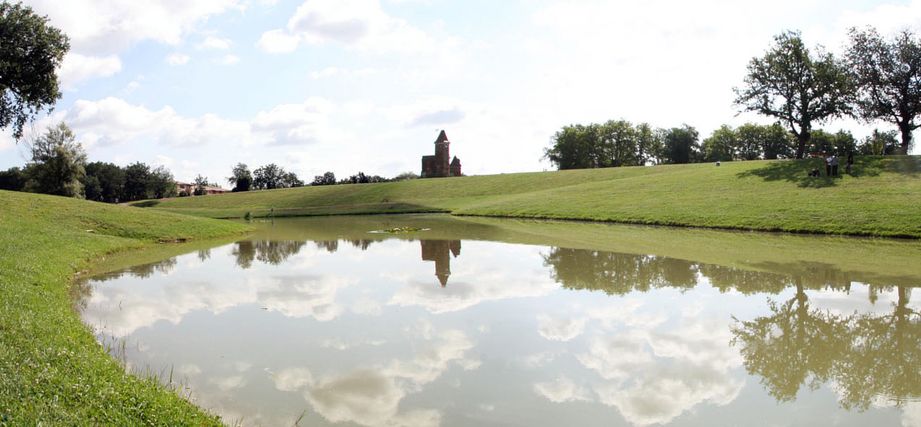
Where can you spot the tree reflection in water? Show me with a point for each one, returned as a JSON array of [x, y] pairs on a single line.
[[272, 252], [866, 357]]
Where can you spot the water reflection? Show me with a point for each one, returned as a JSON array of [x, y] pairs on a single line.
[[868, 356], [440, 251], [359, 334]]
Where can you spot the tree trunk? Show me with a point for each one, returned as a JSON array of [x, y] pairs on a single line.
[[802, 139], [906, 138]]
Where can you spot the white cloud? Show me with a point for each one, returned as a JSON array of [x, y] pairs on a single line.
[[177, 59], [372, 396], [330, 72], [114, 121], [562, 390], [217, 43], [560, 329], [228, 59], [278, 41], [109, 26], [360, 24], [304, 123], [77, 68]]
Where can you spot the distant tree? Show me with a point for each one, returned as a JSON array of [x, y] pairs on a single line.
[[888, 75], [405, 176], [327, 178], [30, 52], [879, 144], [162, 183], [680, 145], [840, 143], [200, 186], [618, 143], [104, 182], [575, 147], [241, 179], [137, 182], [648, 144], [12, 179], [721, 145], [58, 163], [796, 87], [760, 141], [268, 177], [290, 180]]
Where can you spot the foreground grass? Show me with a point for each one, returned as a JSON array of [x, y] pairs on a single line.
[[881, 198], [52, 370]]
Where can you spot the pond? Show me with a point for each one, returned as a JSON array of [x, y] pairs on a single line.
[[474, 321]]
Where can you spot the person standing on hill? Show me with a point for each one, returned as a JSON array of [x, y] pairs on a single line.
[[828, 165], [834, 165], [850, 162]]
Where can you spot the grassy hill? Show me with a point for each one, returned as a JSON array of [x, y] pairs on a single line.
[[52, 370], [881, 198]]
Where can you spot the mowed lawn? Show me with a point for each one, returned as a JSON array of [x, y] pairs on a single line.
[[882, 197], [52, 370]]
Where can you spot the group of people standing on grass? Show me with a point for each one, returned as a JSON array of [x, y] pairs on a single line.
[[831, 165]]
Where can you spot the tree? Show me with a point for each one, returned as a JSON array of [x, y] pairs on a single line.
[[879, 144], [104, 182], [241, 179], [12, 179], [575, 147], [796, 87], [201, 184], [680, 145], [888, 75], [770, 142], [137, 182], [161, 183], [721, 145], [648, 144], [58, 163], [405, 176], [30, 52], [273, 176], [290, 180], [327, 178], [840, 143]]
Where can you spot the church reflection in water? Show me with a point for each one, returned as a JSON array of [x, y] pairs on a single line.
[[440, 251]]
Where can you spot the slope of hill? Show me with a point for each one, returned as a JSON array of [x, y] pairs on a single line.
[[881, 198], [52, 370]]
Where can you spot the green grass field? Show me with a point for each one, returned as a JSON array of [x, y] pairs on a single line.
[[881, 198], [52, 370]]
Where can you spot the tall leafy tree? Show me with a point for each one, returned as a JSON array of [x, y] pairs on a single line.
[[58, 163], [760, 141], [30, 52], [796, 86], [200, 186], [161, 183], [137, 182], [104, 182], [327, 178], [888, 74], [269, 177], [720, 145], [12, 179], [680, 145], [241, 178]]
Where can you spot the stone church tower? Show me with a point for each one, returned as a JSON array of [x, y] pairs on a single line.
[[440, 164]]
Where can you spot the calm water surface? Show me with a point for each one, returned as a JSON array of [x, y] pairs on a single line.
[[320, 321]]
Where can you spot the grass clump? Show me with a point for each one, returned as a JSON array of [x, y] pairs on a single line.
[[881, 198], [52, 369]]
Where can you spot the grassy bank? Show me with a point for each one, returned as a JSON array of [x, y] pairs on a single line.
[[881, 198], [52, 370]]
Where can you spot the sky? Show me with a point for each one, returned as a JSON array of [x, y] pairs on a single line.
[[365, 85]]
